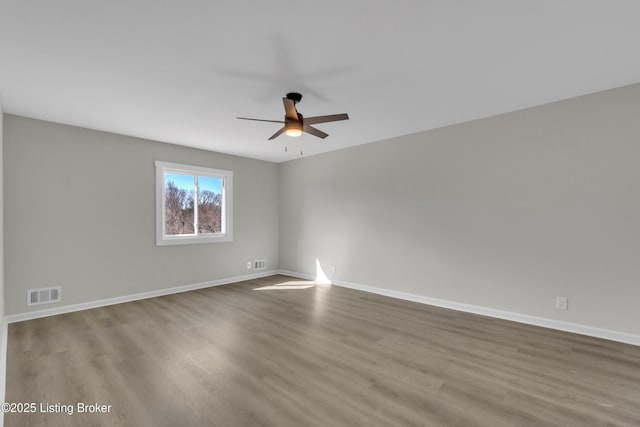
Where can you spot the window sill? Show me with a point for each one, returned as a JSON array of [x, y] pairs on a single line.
[[189, 240]]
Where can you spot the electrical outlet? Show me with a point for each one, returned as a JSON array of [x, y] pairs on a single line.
[[248, 265], [333, 269], [562, 303]]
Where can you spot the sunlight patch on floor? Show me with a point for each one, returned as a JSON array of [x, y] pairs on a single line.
[[287, 285]]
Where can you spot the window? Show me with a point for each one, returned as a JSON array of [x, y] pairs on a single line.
[[193, 204]]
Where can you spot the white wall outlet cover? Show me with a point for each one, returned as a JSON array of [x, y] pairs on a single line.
[[562, 303], [249, 265]]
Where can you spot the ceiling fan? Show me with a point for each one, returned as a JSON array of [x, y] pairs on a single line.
[[295, 123]]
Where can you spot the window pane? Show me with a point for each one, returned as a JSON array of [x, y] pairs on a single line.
[[194, 204], [179, 190], [209, 205]]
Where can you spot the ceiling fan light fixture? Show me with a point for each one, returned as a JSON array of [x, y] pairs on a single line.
[[293, 129], [293, 132]]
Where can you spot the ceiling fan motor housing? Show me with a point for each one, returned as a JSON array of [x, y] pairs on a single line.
[[294, 96]]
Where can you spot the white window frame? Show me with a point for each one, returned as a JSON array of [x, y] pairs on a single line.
[[163, 239]]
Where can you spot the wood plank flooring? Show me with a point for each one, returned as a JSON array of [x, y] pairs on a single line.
[[283, 352]]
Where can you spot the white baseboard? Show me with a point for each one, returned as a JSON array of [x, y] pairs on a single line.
[[485, 311], [127, 298], [297, 275]]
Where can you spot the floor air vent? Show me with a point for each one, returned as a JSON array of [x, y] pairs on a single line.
[[259, 264], [44, 295]]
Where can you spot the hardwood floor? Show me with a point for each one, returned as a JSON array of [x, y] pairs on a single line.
[[283, 352]]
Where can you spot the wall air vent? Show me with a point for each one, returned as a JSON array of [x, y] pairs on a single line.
[[44, 295], [259, 264]]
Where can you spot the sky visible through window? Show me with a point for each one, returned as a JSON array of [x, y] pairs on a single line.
[[207, 183], [186, 182]]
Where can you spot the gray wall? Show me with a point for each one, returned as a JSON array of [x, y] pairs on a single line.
[[3, 353], [506, 212], [80, 212], [1, 222]]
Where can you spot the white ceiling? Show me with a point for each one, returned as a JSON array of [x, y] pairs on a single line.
[[181, 71]]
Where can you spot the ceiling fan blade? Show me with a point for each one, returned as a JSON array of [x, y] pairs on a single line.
[[277, 134], [260, 120], [313, 131], [325, 119], [290, 109]]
